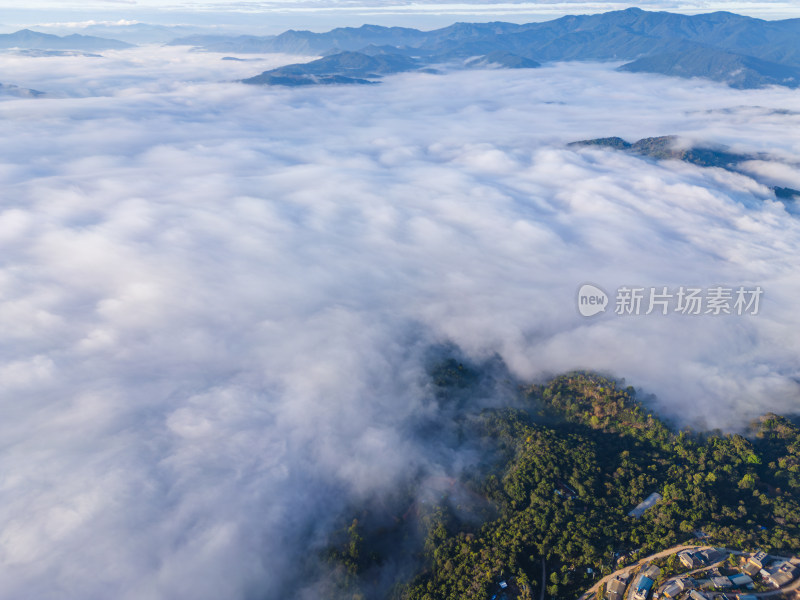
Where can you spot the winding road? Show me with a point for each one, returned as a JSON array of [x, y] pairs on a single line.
[[627, 570]]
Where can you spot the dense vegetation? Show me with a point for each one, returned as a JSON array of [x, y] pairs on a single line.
[[575, 457]]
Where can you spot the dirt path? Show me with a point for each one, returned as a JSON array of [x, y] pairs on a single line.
[[593, 590]]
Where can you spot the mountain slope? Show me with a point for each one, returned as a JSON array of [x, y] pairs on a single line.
[[345, 67], [547, 506], [668, 147], [736, 70]]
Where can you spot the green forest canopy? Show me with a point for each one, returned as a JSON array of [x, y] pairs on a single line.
[[574, 458]]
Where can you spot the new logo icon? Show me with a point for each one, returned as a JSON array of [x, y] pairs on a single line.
[[591, 300]]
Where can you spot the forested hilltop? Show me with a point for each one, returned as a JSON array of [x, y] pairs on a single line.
[[568, 465]]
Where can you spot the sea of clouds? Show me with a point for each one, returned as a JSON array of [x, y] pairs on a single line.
[[216, 300]]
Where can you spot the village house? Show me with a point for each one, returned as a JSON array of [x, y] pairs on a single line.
[[755, 563], [616, 588], [721, 582], [675, 588], [645, 583], [689, 560], [711, 556], [741, 580], [782, 574]]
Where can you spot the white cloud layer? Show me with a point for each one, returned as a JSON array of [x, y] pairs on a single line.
[[215, 298]]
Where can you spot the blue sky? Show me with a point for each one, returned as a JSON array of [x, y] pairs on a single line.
[[277, 15]]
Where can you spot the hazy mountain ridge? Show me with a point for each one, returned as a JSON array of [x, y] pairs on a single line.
[[33, 40], [131, 32], [37, 53], [741, 51], [307, 42]]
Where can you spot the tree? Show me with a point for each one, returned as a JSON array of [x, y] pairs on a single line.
[[747, 482]]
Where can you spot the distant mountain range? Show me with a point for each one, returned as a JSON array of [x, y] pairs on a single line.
[[307, 42], [668, 147], [741, 51], [134, 33], [26, 39], [35, 53]]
